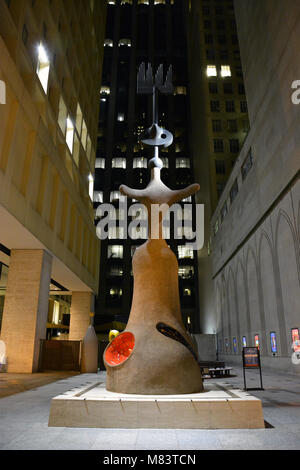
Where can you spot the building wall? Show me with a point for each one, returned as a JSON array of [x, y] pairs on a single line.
[[154, 32], [256, 266], [212, 41], [44, 185]]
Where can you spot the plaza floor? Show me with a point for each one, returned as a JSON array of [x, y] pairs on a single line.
[[24, 421]]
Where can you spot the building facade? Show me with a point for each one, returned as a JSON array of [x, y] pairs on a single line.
[[141, 31], [219, 121], [256, 240], [50, 69]]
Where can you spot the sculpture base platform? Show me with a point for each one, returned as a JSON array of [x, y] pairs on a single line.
[[219, 407]]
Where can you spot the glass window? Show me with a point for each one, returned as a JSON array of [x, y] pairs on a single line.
[[216, 125], [232, 125], [115, 251], [213, 87], [180, 90], [211, 71], [140, 162], [227, 87], [220, 167], [215, 106], [108, 43], [119, 162], [186, 272], [243, 105], [247, 165], [43, 67], [100, 163], [234, 191], [70, 134], [224, 211], [218, 145], [115, 196], [234, 145], [125, 42], [230, 106], [115, 271], [98, 196], [165, 161], [185, 252], [225, 71], [105, 90], [183, 163]]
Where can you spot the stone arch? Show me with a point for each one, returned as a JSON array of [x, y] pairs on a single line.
[[242, 301], [232, 310], [268, 288], [254, 304], [287, 259]]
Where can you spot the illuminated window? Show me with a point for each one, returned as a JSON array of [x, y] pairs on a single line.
[[187, 292], [225, 71], [115, 292], [211, 71], [84, 135], [126, 2], [121, 117], [70, 134], [159, 2], [185, 252], [116, 196], [91, 186], [186, 272], [108, 43], [105, 90], [100, 163], [183, 163], [165, 162], [98, 196], [143, 2], [111, 2], [115, 271], [180, 90], [118, 162], [43, 67], [115, 251], [140, 162], [125, 42]]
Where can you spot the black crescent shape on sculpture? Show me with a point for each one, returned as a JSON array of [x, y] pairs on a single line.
[[170, 332]]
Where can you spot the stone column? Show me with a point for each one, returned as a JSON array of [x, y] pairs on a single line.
[[81, 308], [26, 308]]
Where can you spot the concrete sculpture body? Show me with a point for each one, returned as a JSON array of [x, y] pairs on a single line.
[[155, 354]]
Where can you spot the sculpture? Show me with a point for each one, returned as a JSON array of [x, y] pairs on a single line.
[[154, 355]]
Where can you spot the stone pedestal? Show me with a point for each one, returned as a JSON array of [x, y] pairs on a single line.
[[80, 315], [219, 407], [26, 308]]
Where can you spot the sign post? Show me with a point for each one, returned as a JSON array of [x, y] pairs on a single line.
[[251, 360]]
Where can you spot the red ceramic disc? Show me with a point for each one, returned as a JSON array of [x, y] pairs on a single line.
[[119, 349]]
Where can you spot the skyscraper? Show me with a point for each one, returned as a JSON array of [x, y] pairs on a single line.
[[154, 32]]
